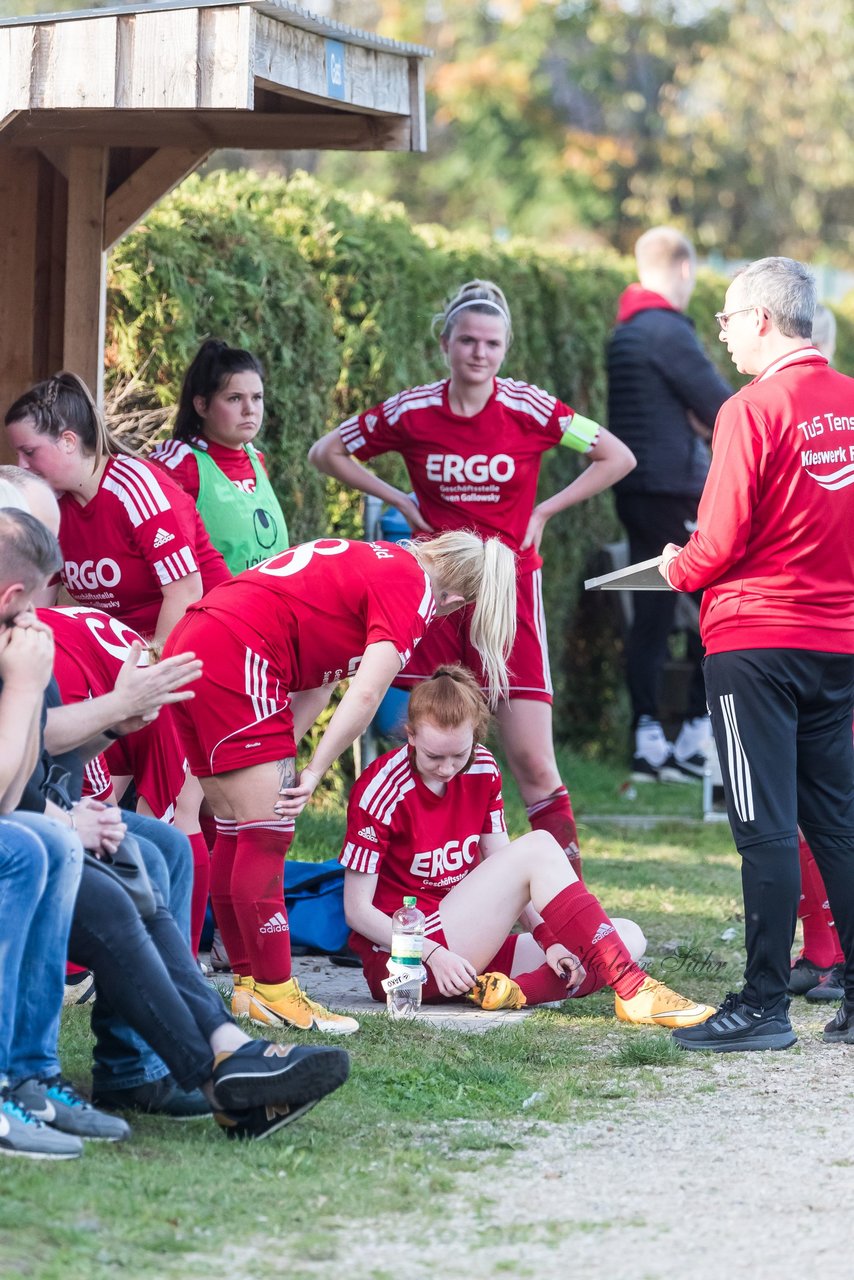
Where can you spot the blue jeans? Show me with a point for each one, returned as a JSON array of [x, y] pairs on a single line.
[[122, 1059], [40, 866]]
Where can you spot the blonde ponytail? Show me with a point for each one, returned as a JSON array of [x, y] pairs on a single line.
[[484, 573]]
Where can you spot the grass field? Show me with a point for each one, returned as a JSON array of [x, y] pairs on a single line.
[[181, 1201]]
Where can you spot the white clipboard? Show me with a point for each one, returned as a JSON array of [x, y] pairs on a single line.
[[643, 576]]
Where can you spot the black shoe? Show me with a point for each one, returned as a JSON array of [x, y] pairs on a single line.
[[643, 770], [259, 1122], [831, 987], [841, 1029], [262, 1073], [157, 1098], [738, 1027], [675, 770], [805, 975], [56, 1102]]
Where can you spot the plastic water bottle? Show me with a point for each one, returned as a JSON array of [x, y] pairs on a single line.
[[405, 970]]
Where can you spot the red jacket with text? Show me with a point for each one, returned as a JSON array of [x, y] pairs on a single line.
[[774, 545]]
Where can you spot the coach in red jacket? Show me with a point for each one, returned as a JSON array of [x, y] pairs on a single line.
[[774, 548]]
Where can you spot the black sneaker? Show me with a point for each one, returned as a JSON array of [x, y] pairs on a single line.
[[259, 1122], [829, 988], [56, 1102], [263, 1073], [21, 1134], [675, 770], [805, 975], [738, 1027], [157, 1098], [841, 1029], [643, 770]]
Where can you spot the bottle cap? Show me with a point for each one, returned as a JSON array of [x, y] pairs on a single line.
[[409, 902]]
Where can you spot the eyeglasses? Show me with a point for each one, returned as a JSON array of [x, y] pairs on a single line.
[[723, 317]]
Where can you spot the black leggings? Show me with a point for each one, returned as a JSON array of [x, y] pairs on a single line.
[[146, 972], [782, 725]]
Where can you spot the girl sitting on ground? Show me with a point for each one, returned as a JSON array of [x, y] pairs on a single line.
[[427, 819]]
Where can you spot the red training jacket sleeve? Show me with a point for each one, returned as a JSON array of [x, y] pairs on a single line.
[[740, 448]]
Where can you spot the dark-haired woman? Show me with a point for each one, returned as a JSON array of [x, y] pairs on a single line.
[[133, 544], [212, 457]]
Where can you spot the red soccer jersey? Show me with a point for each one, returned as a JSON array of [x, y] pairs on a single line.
[[416, 842], [138, 534], [90, 650], [179, 459], [468, 473], [315, 608], [773, 545]]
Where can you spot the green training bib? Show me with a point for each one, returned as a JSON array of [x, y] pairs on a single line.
[[245, 528]]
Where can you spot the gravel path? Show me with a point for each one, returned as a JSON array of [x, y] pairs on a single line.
[[742, 1166]]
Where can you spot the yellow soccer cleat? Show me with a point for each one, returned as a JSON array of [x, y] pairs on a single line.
[[241, 996], [496, 991], [655, 1005], [286, 1005]]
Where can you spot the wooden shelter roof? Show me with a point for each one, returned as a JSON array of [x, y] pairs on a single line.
[[103, 111], [255, 74]]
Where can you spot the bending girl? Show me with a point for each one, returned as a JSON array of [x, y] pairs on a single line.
[[273, 642]]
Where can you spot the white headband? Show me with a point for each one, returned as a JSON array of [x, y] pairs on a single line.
[[478, 302]]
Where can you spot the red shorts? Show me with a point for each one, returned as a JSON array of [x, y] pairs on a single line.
[[241, 714], [153, 757], [448, 640], [375, 964], [156, 761]]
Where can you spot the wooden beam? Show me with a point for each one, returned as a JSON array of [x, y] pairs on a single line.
[[86, 263], [19, 191], [74, 64], [417, 105], [16, 55], [164, 59], [292, 59], [225, 59], [153, 179], [49, 278], [58, 157], [209, 130]]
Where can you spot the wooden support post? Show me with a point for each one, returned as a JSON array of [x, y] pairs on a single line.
[[154, 178], [19, 188], [86, 267]]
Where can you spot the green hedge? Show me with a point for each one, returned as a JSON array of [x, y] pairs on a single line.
[[336, 295]]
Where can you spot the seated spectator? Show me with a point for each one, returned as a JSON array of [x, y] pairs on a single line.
[[127, 1072], [40, 870], [144, 965], [427, 819]]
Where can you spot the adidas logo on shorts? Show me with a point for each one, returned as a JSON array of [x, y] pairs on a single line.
[[368, 833], [276, 924], [162, 537], [602, 932]]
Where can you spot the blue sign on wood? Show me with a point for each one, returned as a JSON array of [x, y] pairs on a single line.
[[335, 69]]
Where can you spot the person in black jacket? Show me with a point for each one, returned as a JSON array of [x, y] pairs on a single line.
[[663, 397]]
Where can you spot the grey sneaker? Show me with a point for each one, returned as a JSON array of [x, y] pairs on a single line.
[[57, 1103], [829, 987], [840, 1030], [21, 1134]]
